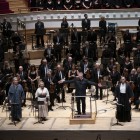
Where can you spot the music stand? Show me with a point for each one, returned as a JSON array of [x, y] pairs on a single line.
[[117, 123], [62, 105], [39, 103]]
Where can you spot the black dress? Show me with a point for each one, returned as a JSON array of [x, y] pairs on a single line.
[[123, 113]]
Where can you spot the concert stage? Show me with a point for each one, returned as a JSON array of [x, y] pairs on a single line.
[[58, 124]]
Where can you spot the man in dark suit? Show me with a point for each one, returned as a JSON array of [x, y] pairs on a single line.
[[97, 74], [6, 28], [75, 44], [59, 87], [80, 85], [85, 23], [58, 45], [39, 31], [48, 53]]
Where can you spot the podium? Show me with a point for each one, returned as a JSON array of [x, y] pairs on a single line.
[[89, 117]]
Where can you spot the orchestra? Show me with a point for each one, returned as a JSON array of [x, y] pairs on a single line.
[[74, 69]]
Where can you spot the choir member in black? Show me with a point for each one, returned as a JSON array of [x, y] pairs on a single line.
[[102, 29], [58, 45], [78, 4], [128, 3], [33, 76], [80, 85], [59, 87], [87, 4], [64, 29], [97, 4], [59, 5], [114, 76], [49, 53], [39, 31], [16, 41], [97, 75], [75, 44], [39, 3], [48, 4], [124, 94], [43, 69], [127, 43], [118, 4], [86, 23], [108, 3], [23, 81], [68, 4], [128, 64], [6, 28], [49, 84]]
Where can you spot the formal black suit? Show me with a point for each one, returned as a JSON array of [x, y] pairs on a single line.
[[81, 86], [58, 46], [59, 87], [39, 31], [85, 24], [43, 71], [48, 54], [92, 36], [102, 29], [96, 78]]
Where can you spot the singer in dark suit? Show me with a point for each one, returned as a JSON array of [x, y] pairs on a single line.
[[39, 31], [85, 23]]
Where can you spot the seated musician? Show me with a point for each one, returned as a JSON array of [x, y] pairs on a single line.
[[50, 85], [32, 77], [23, 81], [16, 41], [49, 53], [68, 4]]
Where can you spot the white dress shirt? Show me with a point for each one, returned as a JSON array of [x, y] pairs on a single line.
[[123, 88]]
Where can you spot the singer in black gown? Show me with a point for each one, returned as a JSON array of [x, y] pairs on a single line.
[[124, 95]]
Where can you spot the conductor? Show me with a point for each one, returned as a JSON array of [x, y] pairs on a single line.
[[39, 31], [80, 85]]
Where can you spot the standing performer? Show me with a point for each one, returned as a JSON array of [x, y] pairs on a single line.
[[80, 85], [39, 31], [85, 23], [124, 94], [16, 97], [42, 95]]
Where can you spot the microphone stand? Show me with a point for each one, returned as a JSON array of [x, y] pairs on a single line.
[[117, 123]]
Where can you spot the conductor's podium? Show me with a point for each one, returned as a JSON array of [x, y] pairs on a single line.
[[89, 117]]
